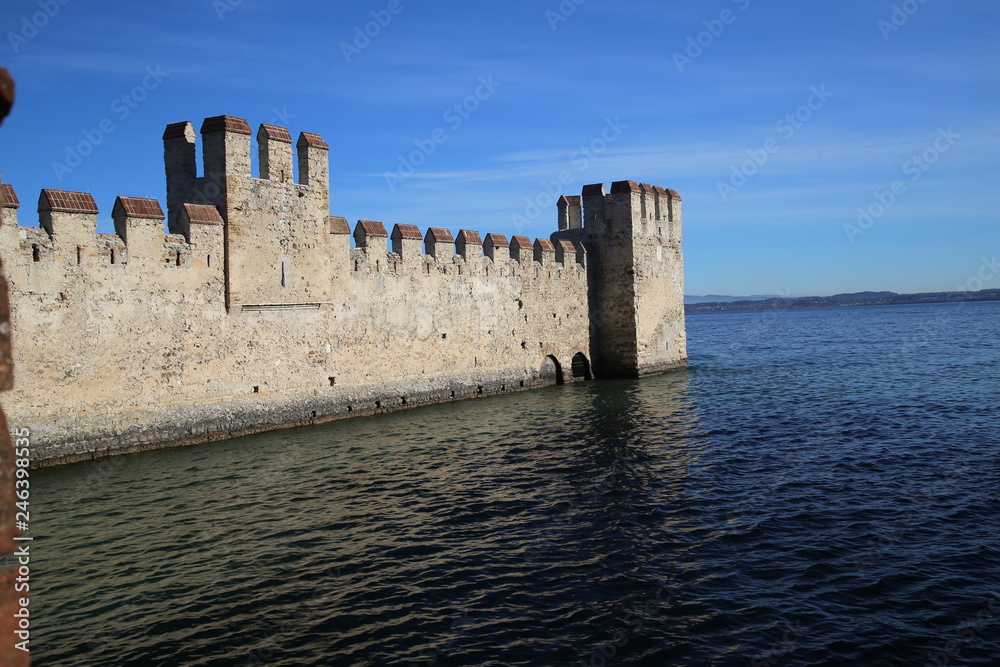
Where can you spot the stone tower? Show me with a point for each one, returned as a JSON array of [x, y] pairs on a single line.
[[279, 249], [636, 276]]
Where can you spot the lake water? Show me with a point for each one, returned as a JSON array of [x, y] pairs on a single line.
[[821, 488]]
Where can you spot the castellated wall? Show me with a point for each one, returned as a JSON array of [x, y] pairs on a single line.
[[253, 312]]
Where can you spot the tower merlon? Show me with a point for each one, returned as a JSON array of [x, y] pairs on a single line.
[[594, 201], [180, 162], [662, 200], [570, 212], [314, 161], [182, 131], [226, 147], [274, 145], [649, 203]]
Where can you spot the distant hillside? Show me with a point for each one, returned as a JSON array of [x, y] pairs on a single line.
[[840, 300], [717, 298]]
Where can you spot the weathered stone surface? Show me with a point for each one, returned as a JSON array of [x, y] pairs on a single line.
[[10, 597], [257, 314]]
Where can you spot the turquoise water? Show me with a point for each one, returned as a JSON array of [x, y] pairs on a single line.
[[819, 489]]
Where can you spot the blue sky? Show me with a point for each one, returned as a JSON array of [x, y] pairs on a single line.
[[775, 121]]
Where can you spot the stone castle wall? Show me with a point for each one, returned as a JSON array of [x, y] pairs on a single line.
[[254, 312]]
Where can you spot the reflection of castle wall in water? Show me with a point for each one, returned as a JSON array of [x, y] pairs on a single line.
[[254, 312]]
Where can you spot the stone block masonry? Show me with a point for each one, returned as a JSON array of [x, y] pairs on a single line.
[[252, 311]]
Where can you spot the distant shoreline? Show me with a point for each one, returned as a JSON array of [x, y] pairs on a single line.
[[842, 300]]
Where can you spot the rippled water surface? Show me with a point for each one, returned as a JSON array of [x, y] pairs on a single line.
[[819, 489]]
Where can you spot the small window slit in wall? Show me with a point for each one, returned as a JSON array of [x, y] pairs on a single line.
[[114, 259], [180, 258], [208, 261], [282, 274], [36, 254], [79, 255]]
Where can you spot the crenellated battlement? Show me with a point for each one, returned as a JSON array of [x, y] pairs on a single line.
[[227, 164], [68, 220], [438, 247], [241, 305], [66, 247]]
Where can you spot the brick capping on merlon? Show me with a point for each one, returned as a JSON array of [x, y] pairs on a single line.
[[310, 140], [10, 199], [410, 232], [182, 130], [225, 124], [339, 225], [62, 201], [275, 133], [625, 186], [137, 207], [203, 214]]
